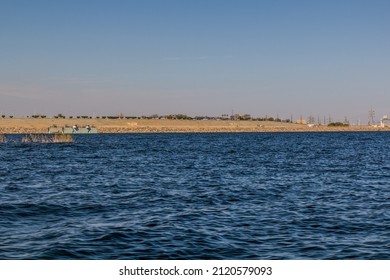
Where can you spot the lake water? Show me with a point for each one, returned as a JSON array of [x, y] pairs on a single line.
[[197, 196]]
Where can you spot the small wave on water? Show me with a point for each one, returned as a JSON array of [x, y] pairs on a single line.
[[197, 196]]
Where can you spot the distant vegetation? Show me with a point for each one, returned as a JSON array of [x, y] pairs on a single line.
[[272, 120], [38, 116], [234, 117], [42, 138], [178, 117], [338, 124], [48, 138], [59, 116]]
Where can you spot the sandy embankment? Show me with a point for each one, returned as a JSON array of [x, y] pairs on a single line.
[[29, 125]]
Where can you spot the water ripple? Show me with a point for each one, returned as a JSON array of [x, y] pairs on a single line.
[[197, 196]]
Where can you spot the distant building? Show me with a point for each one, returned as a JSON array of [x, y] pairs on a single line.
[[384, 120]]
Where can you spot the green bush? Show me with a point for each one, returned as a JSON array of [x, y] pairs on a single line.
[[338, 124]]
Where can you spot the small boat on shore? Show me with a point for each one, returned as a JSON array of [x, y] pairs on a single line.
[[75, 129]]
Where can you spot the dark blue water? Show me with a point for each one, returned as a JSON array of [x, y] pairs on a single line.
[[197, 196]]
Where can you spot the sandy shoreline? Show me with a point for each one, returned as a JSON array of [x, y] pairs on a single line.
[[30, 125]]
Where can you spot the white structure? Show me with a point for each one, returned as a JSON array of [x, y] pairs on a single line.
[[384, 119]]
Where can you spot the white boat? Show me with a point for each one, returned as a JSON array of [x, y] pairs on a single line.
[[75, 129]]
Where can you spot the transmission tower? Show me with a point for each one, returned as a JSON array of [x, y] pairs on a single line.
[[371, 117]]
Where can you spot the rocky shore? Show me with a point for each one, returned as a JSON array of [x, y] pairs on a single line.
[[31, 126]]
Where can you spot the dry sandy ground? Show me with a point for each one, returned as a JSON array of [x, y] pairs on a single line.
[[29, 125]]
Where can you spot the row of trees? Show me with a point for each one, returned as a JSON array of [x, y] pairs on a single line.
[[242, 117]]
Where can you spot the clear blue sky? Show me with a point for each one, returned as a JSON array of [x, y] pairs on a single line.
[[197, 57]]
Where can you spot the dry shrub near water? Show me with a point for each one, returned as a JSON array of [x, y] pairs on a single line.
[[48, 138], [62, 138], [3, 139]]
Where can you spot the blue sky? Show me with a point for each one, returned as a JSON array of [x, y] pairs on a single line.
[[195, 57]]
